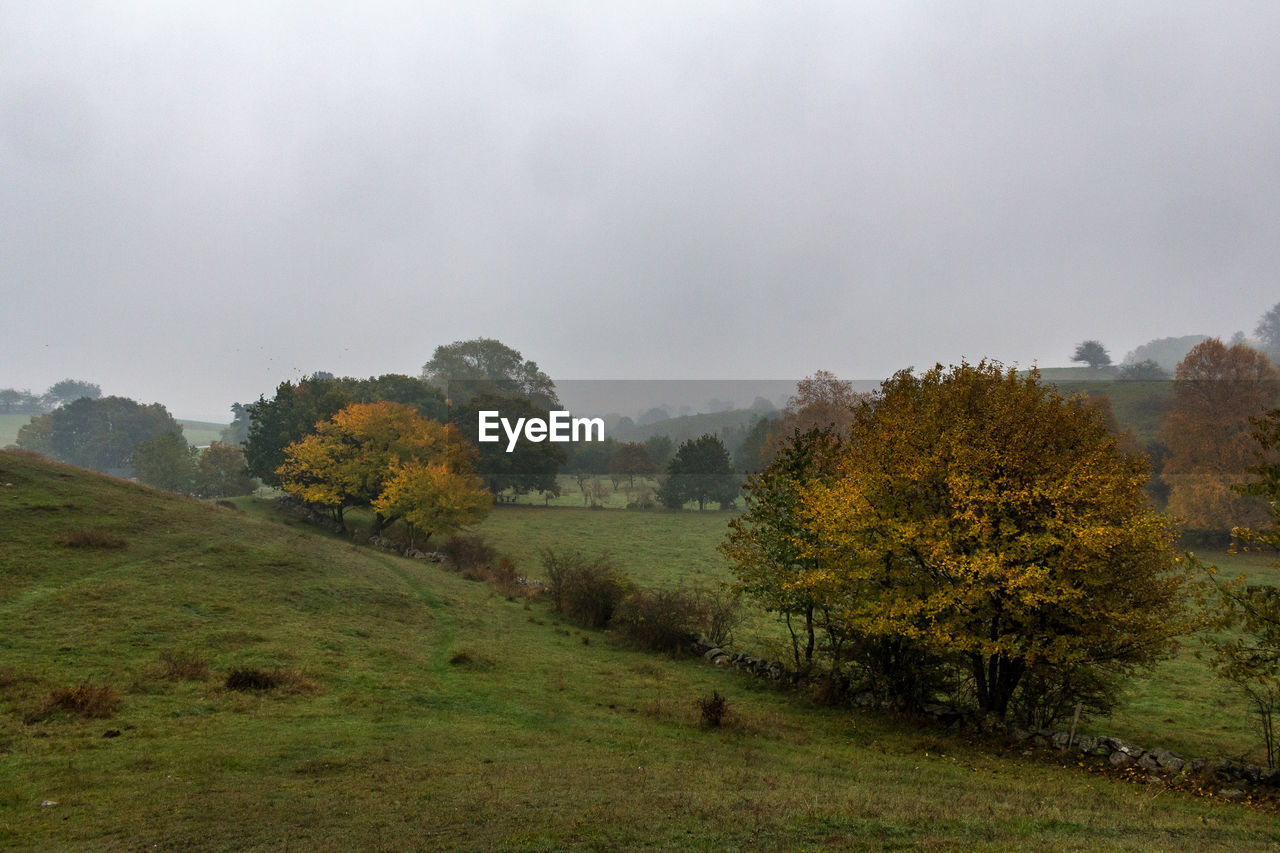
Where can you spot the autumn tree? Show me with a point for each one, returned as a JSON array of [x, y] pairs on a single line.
[[700, 472], [631, 460], [353, 458], [821, 401], [991, 524], [768, 544], [1093, 354], [1247, 650], [433, 497], [1217, 390]]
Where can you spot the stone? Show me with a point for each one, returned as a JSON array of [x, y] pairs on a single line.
[[1120, 758], [1230, 793], [1148, 762], [1086, 743], [712, 652]]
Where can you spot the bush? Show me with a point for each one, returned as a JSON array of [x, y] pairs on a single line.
[[92, 537], [85, 700], [588, 591], [665, 620], [469, 554], [713, 708], [252, 679], [720, 613]]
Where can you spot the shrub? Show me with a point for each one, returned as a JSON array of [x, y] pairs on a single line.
[[92, 537], [469, 554], [665, 620], [720, 613], [85, 700], [587, 590], [713, 708], [252, 679], [503, 578]]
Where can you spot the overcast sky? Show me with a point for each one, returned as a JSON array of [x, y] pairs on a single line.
[[198, 201]]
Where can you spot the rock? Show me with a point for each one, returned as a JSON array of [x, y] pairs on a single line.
[[1020, 734], [712, 652], [1168, 760], [1086, 743], [1040, 740], [1198, 764], [1230, 793], [1148, 762], [1120, 758], [1270, 776], [1060, 739]]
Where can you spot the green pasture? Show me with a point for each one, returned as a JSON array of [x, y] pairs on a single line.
[[424, 711]]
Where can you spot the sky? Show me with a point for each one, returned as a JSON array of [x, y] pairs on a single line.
[[199, 201]]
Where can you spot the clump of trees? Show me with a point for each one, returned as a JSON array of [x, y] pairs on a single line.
[[972, 534], [99, 433], [16, 402], [387, 457]]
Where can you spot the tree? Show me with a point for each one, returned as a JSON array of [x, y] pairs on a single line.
[[97, 433], [700, 472], [996, 527], [631, 460], [1248, 649], [531, 466], [766, 545], [1092, 353], [1268, 332], [221, 471], [293, 413], [237, 432], [61, 393], [351, 459], [166, 462], [465, 369], [821, 401], [1217, 390], [1146, 370], [433, 497]]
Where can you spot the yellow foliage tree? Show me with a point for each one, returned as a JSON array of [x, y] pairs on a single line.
[[351, 459], [989, 523], [433, 497]]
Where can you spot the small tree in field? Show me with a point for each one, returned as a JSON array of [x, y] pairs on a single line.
[[1093, 354], [700, 472]]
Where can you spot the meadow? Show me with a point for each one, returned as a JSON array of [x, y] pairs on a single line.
[[418, 710]]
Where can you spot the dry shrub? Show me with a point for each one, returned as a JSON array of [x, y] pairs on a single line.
[[503, 578], [713, 709], [587, 590], [92, 537], [84, 700], [470, 555], [664, 620], [182, 666]]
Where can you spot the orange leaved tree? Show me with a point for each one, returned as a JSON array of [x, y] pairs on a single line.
[[1217, 390], [373, 455], [979, 521]]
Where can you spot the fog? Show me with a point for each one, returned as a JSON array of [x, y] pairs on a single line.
[[199, 202]]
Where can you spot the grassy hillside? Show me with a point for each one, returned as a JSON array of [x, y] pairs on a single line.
[[420, 711], [196, 432]]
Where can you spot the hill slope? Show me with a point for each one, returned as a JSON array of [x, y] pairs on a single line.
[[421, 711]]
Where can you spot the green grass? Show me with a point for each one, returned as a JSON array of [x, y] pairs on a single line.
[[200, 433], [9, 426], [430, 713]]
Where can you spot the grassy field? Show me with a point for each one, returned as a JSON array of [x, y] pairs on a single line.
[[422, 711], [9, 426], [1182, 705]]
